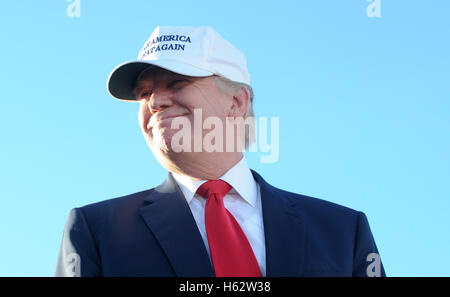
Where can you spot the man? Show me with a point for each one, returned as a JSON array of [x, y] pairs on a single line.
[[213, 216]]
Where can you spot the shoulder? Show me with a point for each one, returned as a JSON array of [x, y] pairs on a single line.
[[327, 223], [309, 206], [317, 213], [316, 206], [336, 234], [112, 211], [134, 199]]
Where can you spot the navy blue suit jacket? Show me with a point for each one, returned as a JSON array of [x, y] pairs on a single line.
[[153, 233]]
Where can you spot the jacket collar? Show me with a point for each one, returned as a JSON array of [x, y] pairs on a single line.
[[168, 216], [178, 235], [284, 230]]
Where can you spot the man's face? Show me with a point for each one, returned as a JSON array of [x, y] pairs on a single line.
[[165, 95]]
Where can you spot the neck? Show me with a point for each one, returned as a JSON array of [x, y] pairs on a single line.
[[201, 166]]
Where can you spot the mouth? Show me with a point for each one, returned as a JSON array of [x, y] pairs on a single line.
[[157, 118]]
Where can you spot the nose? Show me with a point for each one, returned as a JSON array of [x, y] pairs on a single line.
[[159, 100]]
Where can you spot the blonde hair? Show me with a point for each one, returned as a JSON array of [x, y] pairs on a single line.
[[227, 85]]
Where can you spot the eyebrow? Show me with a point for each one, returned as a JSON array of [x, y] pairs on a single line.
[[140, 84], [137, 89]]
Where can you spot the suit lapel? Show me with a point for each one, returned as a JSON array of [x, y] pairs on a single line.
[[170, 219], [284, 231]]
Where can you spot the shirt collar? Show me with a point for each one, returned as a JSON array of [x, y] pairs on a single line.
[[239, 177]]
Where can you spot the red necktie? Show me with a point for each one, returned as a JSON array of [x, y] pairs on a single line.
[[230, 250]]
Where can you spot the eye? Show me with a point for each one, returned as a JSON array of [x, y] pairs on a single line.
[[176, 82], [144, 94]]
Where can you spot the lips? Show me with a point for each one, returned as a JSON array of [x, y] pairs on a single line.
[[157, 117]]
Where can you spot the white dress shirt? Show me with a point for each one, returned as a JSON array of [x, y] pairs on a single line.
[[243, 201]]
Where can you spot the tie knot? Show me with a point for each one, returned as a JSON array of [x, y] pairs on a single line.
[[218, 186]]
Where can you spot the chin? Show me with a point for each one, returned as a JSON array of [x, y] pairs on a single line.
[[160, 141], [168, 159]]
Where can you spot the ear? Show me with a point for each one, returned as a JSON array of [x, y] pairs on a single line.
[[239, 103]]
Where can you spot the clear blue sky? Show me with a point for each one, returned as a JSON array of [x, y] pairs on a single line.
[[363, 105]]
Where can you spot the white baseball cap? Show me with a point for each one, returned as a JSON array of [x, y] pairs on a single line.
[[190, 51]]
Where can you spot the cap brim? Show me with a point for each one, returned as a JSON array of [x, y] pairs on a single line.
[[122, 79]]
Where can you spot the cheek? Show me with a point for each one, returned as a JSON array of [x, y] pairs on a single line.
[[143, 116], [217, 108], [211, 103], [160, 138], [187, 98]]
